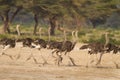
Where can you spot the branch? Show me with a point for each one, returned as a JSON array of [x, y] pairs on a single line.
[[15, 13]]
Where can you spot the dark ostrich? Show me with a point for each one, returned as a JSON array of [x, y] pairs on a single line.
[[40, 44], [65, 46], [95, 48], [27, 42], [7, 43]]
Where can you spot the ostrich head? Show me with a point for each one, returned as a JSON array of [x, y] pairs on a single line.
[[74, 37]]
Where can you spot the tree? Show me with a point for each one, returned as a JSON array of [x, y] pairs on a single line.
[[53, 10], [98, 11], [8, 11]]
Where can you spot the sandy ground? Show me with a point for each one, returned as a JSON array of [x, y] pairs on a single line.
[[27, 70]]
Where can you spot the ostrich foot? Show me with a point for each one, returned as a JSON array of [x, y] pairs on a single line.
[[7, 55], [35, 60], [91, 61], [97, 63], [72, 61], [28, 58], [58, 60], [116, 65], [18, 57], [44, 63]]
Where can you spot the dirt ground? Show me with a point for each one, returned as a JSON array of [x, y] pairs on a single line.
[[27, 70]]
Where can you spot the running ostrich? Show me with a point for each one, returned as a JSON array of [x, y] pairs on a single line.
[[27, 42], [68, 46], [95, 48], [107, 40], [7, 43], [65, 46], [115, 49], [38, 44]]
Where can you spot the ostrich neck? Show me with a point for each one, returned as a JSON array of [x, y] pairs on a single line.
[[74, 43]]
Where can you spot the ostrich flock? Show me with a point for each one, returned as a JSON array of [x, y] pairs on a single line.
[[58, 48]]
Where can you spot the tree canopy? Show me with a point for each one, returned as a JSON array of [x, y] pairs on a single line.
[[96, 11]]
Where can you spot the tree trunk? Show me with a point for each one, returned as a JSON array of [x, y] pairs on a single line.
[[6, 22], [6, 27], [52, 25], [36, 23]]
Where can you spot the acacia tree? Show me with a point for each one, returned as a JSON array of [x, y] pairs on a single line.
[[98, 11], [53, 9], [8, 11]]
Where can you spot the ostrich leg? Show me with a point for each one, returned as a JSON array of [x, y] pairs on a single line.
[[59, 58], [31, 56], [99, 60], [19, 54], [114, 62], [45, 61], [71, 60]]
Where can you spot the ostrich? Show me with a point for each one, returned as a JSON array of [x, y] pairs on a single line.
[[55, 46], [40, 44], [11, 43], [114, 49], [28, 42], [59, 47], [25, 43], [93, 48], [67, 47], [7, 43], [104, 48]]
